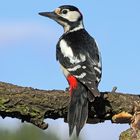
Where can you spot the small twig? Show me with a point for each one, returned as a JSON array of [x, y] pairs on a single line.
[[114, 89]]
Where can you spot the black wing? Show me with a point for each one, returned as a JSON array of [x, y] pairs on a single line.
[[85, 64]]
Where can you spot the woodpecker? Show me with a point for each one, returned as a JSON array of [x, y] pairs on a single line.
[[80, 60]]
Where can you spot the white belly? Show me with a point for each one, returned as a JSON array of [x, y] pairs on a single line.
[[64, 70]]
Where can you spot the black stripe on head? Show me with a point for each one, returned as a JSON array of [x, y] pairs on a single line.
[[70, 7]]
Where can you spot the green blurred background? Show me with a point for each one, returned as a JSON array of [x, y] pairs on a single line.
[[30, 132]]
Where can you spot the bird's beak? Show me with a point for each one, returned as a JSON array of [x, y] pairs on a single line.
[[51, 15], [55, 15]]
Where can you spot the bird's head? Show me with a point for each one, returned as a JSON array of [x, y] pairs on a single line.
[[68, 16]]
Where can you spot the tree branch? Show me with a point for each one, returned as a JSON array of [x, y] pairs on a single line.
[[34, 105]]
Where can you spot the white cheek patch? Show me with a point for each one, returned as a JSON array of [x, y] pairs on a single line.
[[72, 16], [62, 22]]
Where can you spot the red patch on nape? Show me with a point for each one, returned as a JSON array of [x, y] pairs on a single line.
[[72, 82]]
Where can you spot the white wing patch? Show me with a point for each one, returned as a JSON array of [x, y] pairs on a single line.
[[81, 75], [98, 80], [100, 61], [75, 68], [84, 67], [97, 69], [67, 52], [82, 57], [65, 49]]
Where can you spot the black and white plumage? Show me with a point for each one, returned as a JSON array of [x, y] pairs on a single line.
[[78, 53], [80, 61]]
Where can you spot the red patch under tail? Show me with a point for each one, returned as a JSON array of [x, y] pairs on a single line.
[[72, 82]]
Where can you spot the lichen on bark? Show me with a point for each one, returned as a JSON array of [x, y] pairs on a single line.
[[34, 105]]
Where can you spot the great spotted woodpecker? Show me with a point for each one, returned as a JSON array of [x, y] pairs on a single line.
[[80, 61]]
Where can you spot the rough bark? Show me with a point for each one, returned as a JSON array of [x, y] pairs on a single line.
[[129, 135], [34, 105]]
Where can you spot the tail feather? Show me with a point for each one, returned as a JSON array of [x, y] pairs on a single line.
[[72, 116], [78, 109], [83, 118]]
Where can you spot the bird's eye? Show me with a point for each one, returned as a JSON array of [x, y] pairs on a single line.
[[64, 11]]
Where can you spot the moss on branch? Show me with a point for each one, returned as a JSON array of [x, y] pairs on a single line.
[[34, 105]]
